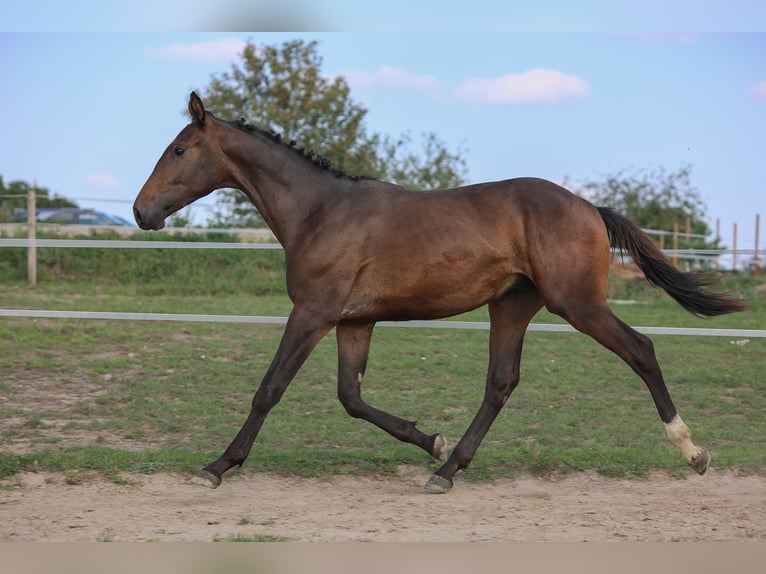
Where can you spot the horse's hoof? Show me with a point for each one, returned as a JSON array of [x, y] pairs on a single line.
[[701, 462], [438, 484], [440, 448], [206, 478]]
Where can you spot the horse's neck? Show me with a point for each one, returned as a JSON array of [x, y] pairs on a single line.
[[282, 185]]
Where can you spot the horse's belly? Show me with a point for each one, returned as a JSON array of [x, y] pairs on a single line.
[[429, 293]]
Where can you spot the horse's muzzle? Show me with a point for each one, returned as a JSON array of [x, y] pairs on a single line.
[[149, 219]]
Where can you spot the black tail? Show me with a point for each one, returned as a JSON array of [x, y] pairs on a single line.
[[689, 289]]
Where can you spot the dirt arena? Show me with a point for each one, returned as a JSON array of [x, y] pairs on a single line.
[[720, 506]]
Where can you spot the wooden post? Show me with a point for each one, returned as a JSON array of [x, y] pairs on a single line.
[[734, 248], [31, 235], [675, 244], [756, 261], [688, 231], [717, 240]]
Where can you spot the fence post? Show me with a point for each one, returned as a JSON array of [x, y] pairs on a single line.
[[756, 259], [718, 241], [32, 236], [734, 248]]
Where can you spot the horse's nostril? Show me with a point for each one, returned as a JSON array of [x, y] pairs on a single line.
[[137, 215]]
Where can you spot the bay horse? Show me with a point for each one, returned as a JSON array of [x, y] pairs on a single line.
[[359, 250]]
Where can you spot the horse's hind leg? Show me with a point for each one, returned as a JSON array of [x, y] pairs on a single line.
[[509, 318], [637, 350], [353, 350]]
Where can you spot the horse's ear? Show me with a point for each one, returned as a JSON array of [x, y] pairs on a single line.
[[197, 108]]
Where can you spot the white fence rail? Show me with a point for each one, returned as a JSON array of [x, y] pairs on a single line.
[[265, 320], [137, 244], [128, 244]]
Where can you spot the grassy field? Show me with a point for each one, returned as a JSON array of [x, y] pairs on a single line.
[[115, 396]]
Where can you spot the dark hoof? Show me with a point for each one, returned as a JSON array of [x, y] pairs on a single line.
[[206, 478], [701, 462], [438, 484], [440, 448]]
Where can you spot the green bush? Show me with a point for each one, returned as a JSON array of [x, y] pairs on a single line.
[[155, 271]]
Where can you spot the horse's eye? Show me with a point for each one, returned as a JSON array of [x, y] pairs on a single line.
[[178, 151]]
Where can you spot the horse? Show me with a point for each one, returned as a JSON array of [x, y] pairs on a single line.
[[359, 250]]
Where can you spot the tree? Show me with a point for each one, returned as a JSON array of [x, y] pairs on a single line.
[[435, 168], [282, 88], [14, 196], [657, 199]]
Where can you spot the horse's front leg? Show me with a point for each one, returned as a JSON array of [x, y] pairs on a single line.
[[303, 331], [509, 318], [353, 349]]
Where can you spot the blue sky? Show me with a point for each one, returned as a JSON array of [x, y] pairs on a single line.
[[87, 114]]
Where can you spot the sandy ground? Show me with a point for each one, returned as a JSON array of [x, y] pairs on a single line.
[[720, 506]]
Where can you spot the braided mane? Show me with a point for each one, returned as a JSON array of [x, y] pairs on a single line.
[[310, 155]]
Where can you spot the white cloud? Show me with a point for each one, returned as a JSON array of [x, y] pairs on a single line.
[[390, 77], [758, 91], [221, 50], [102, 180], [532, 86]]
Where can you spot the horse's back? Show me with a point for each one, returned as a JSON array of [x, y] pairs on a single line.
[[521, 219], [535, 213], [429, 254]]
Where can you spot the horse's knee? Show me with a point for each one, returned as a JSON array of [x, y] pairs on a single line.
[[500, 387], [265, 398]]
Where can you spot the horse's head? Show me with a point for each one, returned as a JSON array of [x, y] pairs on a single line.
[[191, 167]]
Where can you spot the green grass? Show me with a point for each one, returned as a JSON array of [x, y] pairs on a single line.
[[118, 396]]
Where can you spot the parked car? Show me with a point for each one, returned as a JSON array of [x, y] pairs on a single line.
[[71, 215]]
